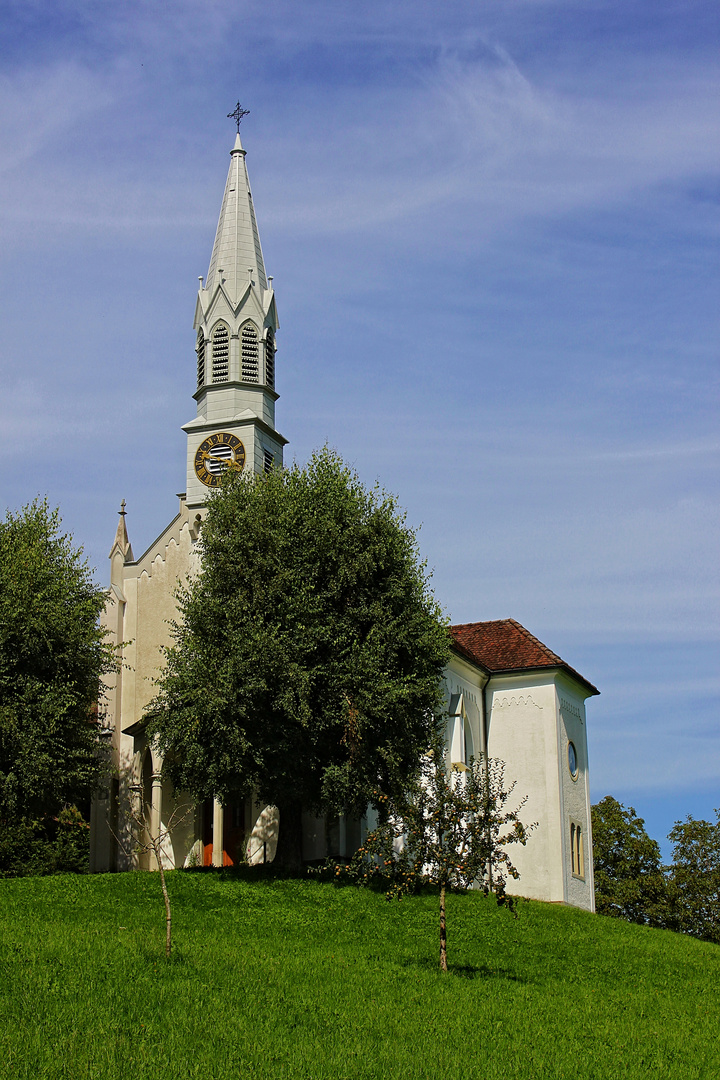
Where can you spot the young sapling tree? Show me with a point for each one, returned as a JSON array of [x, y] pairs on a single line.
[[149, 841], [452, 831]]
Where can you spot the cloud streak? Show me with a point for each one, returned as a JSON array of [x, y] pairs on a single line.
[[469, 149]]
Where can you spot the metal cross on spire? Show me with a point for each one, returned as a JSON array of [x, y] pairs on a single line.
[[237, 115]]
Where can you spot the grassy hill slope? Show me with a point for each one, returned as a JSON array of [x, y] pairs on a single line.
[[302, 979]]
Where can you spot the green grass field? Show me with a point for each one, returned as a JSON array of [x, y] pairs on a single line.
[[283, 978]]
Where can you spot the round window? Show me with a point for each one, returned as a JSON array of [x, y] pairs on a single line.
[[572, 760]]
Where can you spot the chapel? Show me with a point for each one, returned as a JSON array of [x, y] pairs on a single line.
[[507, 695]]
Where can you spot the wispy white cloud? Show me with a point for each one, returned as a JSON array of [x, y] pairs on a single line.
[[469, 147], [480, 143]]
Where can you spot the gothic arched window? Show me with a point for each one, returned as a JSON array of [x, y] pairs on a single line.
[[270, 358], [200, 350], [220, 353], [250, 354]]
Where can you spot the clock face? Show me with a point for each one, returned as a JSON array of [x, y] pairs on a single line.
[[215, 455]]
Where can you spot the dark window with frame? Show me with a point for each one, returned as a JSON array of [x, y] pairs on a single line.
[[577, 854]]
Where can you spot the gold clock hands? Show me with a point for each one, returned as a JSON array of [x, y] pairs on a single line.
[[231, 463], [213, 457]]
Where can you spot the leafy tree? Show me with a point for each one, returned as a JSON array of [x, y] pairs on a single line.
[[45, 846], [52, 654], [695, 877], [629, 879], [307, 659], [452, 830]]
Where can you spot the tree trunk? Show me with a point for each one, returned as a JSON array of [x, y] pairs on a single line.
[[289, 848], [443, 931], [166, 898]]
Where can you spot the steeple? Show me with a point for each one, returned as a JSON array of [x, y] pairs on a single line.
[[237, 248], [120, 553], [121, 543], [236, 320]]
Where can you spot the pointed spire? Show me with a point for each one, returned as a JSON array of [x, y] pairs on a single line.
[[237, 241], [121, 537]]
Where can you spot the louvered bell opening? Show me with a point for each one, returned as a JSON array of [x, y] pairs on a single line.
[[270, 359], [250, 355], [268, 460], [221, 355], [200, 350]]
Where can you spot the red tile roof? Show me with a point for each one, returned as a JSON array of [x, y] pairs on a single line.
[[505, 646]]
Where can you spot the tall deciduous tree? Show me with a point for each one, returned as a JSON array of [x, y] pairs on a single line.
[[308, 654], [629, 879], [52, 654], [695, 877]]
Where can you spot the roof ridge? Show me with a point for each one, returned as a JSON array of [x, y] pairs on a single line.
[[483, 622], [537, 641]]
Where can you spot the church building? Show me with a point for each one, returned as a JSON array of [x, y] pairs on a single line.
[[508, 695]]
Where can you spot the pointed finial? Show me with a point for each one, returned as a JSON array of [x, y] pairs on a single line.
[[237, 115], [121, 544]]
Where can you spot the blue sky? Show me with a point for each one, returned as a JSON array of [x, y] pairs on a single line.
[[493, 231]]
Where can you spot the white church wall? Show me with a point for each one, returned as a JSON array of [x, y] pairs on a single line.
[[522, 732], [575, 797]]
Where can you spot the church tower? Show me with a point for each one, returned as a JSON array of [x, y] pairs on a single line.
[[236, 321]]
